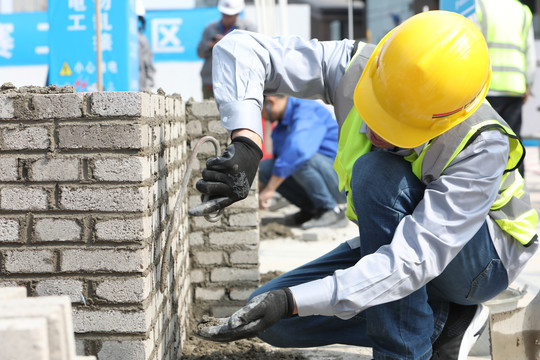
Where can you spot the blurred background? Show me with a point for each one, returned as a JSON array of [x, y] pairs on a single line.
[[60, 35]]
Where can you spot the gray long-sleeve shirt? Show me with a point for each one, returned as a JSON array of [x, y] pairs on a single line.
[[204, 50], [454, 207]]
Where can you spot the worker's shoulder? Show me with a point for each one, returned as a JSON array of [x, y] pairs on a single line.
[[321, 110], [212, 26], [305, 103], [244, 24]]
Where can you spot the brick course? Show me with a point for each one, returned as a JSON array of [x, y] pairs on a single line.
[[88, 183]]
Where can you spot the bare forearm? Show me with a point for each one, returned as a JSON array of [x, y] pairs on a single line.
[[274, 183], [249, 134]]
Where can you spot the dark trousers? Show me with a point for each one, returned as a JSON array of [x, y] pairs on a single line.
[[384, 191], [509, 107], [208, 92]]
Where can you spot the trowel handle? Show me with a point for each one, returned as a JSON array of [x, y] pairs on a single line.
[[208, 207]]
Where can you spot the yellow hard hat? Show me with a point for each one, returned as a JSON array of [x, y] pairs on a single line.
[[425, 76]]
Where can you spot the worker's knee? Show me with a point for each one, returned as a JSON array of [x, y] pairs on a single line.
[[265, 170], [379, 177]]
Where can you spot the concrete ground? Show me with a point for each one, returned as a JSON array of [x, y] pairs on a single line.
[[286, 253]]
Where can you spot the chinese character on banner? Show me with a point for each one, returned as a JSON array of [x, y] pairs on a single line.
[[73, 23], [6, 40], [77, 5]]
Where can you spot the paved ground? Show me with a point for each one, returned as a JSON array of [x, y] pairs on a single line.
[[286, 253]]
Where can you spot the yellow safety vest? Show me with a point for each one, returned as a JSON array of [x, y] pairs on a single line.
[[512, 210], [505, 25]]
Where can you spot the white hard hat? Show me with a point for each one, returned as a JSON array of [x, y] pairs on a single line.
[[231, 7], [139, 8]]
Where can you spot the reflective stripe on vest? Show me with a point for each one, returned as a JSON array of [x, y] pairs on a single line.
[[512, 210], [507, 43], [349, 131]]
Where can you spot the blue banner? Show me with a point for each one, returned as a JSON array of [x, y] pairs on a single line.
[[73, 45], [70, 43], [174, 35], [24, 39], [463, 7]]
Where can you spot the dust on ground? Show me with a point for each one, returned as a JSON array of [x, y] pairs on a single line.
[[274, 231], [246, 349], [196, 348]]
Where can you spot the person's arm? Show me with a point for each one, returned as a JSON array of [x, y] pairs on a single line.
[[204, 49], [530, 66], [268, 191], [424, 243], [247, 65], [453, 209], [249, 134]]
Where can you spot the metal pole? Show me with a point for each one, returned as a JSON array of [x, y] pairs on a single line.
[[258, 11], [351, 28], [98, 47], [284, 17]]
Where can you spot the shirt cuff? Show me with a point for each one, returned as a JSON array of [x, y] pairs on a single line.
[[282, 172], [314, 297], [241, 115]]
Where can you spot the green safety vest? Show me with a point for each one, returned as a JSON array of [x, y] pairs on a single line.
[[512, 210], [505, 25]]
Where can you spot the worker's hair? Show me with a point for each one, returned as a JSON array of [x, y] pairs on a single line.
[[142, 23], [280, 96]]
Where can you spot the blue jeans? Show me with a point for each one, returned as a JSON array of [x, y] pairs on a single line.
[[313, 186], [384, 191]]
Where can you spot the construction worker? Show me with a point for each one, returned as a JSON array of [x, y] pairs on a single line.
[[507, 27], [214, 32], [147, 69], [429, 168], [304, 145]]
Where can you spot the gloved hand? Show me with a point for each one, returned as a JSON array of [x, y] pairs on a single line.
[[259, 314], [228, 178]]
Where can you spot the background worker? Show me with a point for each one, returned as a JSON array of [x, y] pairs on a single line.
[[507, 27], [214, 32], [147, 70], [422, 158], [304, 141]]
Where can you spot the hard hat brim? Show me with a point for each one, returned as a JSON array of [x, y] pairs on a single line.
[[391, 129], [230, 11]]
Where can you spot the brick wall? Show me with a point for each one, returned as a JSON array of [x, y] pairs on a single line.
[[88, 182], [224, 254]]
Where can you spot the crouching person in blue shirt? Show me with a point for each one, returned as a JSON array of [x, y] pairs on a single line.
[[304, 141]]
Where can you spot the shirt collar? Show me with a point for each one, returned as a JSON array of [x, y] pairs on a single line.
[[287, 115]]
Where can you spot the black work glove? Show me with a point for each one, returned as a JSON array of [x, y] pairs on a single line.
[[259, 314], [228, 178]]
